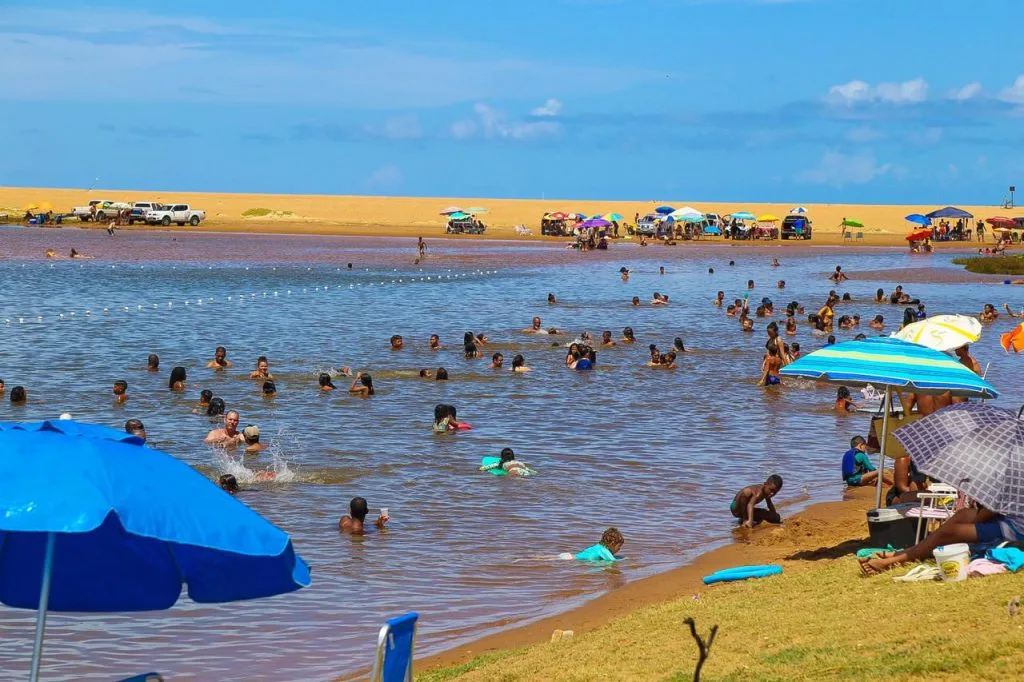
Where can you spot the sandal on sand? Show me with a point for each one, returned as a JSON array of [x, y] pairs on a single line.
[[922, 573]]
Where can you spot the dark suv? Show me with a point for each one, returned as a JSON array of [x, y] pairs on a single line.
[[795, 227]]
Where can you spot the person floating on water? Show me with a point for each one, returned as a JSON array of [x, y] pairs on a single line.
[[605, 551], [353, 522], [509, 464], [743, 504]]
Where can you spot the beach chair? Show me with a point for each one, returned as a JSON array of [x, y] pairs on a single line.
[[395, 650], [848, 236], [939, 503], [860, 236]]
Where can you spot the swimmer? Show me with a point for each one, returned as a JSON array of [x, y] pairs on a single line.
[[730, 310], [661, 270], [604, 551], [343, 372], [880, 296], [251, 437], [18, 395], [75, 254], [627, 336], [353, 522], [426, 374], [677, 345], [362, 386], [750, 284], [831, 341], [441, 419], [215, 408], [719, 299], [228, 484], [636, 301], [743, 504], [519, 364], [435, 342], [510, 465], [453, 421], [135, 428], [711, 271], [748, 324], [50, 253], [775, 262], [668, 360], [2, 386], [790, 323], [606, 339], [877, 323], [770, 368], [838, 276], [624, 273], [552, 300], [847, 298], [397, 342], [794, 351], [844, 404], [205, 396], [177, 380], [855, 321], [482, 340], [497, 360], [988, 313], [470, 352], [655, 354], [781, 284], [535, 327], [262, 370], [659, 299], [229, 434], [441, 374], [732, 262], [325, 382], [153, 363], [120, 391], [220, 361], [269, 389]]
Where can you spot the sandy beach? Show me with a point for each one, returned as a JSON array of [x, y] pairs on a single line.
[[884, 225]]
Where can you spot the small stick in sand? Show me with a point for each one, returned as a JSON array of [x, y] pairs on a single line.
[[705, 647]]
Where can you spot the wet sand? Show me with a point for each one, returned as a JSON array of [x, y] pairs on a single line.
[[884, 225], [823, 532]]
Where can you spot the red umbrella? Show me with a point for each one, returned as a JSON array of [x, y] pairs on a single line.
[[919, 235], [557, 216], [1001, 221]]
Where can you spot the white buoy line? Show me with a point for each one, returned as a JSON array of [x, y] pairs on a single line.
[[241, 298]]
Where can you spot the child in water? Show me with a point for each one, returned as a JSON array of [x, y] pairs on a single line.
[[743, 504], [604, 551], [509, 464], [441, 419]]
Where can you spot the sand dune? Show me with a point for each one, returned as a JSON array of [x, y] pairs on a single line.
[[415, 216]]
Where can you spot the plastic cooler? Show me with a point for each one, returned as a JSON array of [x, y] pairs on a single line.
[[889, 527]]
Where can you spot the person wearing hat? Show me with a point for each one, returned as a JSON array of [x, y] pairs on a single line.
[[251, 435]]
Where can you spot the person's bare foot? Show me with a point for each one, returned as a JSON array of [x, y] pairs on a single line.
[[877, 564]]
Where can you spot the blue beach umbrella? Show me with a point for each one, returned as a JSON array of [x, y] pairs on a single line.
[[895, 364], [88, 524], [919, 219], [664, 210]]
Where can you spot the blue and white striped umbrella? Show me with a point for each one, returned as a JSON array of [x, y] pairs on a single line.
[[798, 210], [891, 363]]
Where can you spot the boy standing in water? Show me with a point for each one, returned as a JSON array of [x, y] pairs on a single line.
[[770, 368], [743, 505]]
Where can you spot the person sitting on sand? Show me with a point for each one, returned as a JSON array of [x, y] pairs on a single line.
[[857, 467], [220, 359], [510, 465], [353, 522], [843, 404], [770, 368], [988, 313], [397, 342], [262, 370], [120, 391], [228, 434], [743, 504], [838, 276], [604, 551], [970, 526]]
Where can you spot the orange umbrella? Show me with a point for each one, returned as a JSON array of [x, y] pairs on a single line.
[[919, 235], [1014, 339], [1001, 221]]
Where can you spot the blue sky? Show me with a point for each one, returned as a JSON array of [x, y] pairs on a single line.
[[755, 100]]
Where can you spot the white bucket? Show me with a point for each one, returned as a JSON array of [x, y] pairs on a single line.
[[952, 561]]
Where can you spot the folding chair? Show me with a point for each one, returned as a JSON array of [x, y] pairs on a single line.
[[860, 236], [395, 649], [939, 503], [848, 235]]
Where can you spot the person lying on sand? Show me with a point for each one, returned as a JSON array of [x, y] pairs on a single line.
[[352, 523], [743, 505], [972, 526]]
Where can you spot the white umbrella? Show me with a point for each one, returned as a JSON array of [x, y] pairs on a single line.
[[942, 332], [686, 211], [797, 210]]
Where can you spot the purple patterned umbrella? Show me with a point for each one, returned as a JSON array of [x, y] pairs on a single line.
[[595, 222]]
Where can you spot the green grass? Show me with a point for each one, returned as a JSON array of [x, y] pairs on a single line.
[[993, 265], [825, 623], [263, 212]]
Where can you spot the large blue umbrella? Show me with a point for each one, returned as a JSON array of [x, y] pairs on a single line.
[[89, 524], [664, 210], [895, 364], [919, 219]]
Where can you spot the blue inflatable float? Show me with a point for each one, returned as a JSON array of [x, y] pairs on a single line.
[[727, 575]]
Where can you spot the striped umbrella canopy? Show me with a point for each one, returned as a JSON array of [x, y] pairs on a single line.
[[797, 210], [894, 364], [942, 332], [614, 217]]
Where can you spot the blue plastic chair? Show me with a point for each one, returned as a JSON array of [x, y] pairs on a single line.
[[395, 649]]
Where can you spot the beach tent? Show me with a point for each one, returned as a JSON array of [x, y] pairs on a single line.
[[686, 211], [950, 212]]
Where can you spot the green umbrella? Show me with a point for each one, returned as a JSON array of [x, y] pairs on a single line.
[[850, 222], [615, 217], [459, 216]]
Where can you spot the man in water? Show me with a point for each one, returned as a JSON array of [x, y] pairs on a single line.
[[838, 276], [422, 247], [535, 327], [229, 435], [135, 427], [435, 342], [397, 342], [743, 505], [719, 299], [352, 523], [220, 359], [153, 363], [120, 391]]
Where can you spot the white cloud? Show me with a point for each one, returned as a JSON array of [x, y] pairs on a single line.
[[967, 92], [1014, 94], [838, 170], [495, 124], [384, 178], [859, 92], [865, 134], [550, 108]]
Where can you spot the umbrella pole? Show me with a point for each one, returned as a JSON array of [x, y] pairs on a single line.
[[887, 405], [44, 603]]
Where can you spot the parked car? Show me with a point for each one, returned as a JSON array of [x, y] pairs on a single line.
[[177, 213], [99, 209], [140, 209], [648, 225], [465, 226], [796, 227]]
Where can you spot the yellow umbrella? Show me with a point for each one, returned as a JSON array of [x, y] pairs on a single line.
[[45, 206], [768, 218]]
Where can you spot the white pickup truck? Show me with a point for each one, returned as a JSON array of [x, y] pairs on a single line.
[[175, 213], [99, 210]]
